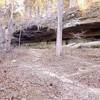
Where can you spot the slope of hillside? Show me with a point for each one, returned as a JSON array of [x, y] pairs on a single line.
[[32, 74]]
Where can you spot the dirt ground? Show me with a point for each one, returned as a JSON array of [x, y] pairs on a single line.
[[37, 74]]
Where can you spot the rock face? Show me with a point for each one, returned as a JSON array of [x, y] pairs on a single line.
[[86, 22], [79, 23], [34, 34]]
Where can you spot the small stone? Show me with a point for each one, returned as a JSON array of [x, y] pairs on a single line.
[[13, 61], [5, 71], [51, 84], [23, 99]]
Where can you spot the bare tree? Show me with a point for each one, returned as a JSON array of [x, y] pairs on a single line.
[[9, 30], [73, 3], [59, 29], [2, 38]]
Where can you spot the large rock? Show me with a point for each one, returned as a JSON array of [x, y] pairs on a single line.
[[34, 34], [84, 23]]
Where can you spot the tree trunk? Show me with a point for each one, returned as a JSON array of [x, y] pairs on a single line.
[[59, 29], [46, 8], [73, 3], [2, 39], [10, 29]]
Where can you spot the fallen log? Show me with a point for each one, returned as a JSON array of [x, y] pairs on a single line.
[[94, 44]]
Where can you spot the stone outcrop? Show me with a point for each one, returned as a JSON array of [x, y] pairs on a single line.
[[84, 23]]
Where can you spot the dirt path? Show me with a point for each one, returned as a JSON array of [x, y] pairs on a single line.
[[32, 74]]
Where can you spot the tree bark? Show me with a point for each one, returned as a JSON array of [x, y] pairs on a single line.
[[59, 29], [2, 43], [10, 29], [2, 39], [73, 3]]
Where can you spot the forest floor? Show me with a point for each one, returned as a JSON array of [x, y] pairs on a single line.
[[37, 74]]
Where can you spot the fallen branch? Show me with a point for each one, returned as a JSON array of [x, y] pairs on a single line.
[[94, 44]]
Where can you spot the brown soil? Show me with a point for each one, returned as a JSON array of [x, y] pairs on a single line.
[[37, 74]]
